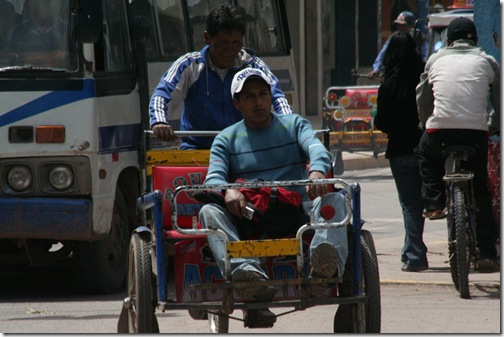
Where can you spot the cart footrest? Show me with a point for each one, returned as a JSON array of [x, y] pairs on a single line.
[[297, 281], [297, 304]]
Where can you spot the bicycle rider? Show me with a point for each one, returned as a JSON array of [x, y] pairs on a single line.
[[452, 106]]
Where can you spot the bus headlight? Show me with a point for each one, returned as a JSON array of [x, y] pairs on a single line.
[[19, 178], [61, 177]]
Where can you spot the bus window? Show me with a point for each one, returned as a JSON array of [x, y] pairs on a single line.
[[263, 26], [171, 27], [8, 19], [116, 48], [263, 35], [145, 8], [198, 11], [38, 36]]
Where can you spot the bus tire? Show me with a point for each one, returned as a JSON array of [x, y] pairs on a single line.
[[101, 266]]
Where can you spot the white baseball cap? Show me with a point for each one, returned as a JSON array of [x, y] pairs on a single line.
[[241, 76]]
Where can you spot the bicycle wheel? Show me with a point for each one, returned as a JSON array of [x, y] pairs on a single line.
[[141, 317], [461, 255]]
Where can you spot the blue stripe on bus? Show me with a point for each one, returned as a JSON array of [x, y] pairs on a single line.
[[119, 138], [50, 101]]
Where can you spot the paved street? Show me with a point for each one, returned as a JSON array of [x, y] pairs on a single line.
[[43, 299]]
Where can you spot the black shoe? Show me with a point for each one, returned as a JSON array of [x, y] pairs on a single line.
[[258, 318], [413, 269], [486, 265]]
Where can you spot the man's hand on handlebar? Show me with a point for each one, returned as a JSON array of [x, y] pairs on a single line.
[[373, 74], [235, 202], [316, 190], [164, 132]]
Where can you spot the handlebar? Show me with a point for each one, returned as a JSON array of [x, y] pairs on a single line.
[[254, 185]]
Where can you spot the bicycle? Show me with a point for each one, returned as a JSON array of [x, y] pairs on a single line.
[[462, 239]]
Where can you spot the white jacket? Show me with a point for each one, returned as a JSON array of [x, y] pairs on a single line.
[[453, 90]]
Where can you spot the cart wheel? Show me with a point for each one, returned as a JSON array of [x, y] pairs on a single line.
[[219, 323], [368, 238], [338, 165], [344, 319], [141, 317], [371, 278]]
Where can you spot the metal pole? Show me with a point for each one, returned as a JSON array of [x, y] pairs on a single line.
[[357, 61]]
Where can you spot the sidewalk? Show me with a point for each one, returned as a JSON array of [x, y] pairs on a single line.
[[388, 250]]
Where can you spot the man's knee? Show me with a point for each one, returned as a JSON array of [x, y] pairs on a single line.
[[207, 212]]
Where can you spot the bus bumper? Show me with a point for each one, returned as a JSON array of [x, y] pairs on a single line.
[[46, 218]]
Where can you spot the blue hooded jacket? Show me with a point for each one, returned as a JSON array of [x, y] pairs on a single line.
[[195, 93]]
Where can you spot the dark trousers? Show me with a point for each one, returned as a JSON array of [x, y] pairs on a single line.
[[431, 160], [409, 189]]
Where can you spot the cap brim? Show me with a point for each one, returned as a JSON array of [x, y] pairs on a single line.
[[242, 83]]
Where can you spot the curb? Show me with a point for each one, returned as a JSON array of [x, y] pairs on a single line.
[[494, 285]]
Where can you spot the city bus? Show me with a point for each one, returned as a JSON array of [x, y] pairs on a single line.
[[75, 83]]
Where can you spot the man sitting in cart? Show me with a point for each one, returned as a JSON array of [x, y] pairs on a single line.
[[271, 147]]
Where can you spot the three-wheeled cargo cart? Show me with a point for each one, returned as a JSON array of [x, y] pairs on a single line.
[[171, 266], [348, 112]]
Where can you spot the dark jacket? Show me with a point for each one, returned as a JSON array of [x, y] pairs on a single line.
[[397, 113]]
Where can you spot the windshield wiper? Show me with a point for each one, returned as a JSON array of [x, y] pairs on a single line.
[[31, 69]]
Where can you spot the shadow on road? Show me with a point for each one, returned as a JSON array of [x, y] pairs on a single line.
[[45, 282]]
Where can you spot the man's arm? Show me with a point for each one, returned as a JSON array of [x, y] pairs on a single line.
[[218, 173], [378, 61], [495, 99], [218, 167], [171, 90], [424, 98], [319, 157]]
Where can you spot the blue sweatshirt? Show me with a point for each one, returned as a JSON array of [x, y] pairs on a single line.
[[195, 93], [279, 152]]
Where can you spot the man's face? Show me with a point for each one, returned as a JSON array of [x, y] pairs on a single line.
[[255, 103], [224, 47]]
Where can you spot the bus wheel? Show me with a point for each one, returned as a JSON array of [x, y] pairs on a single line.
[[101, 265]]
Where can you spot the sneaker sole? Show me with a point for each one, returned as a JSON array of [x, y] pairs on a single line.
[[324, 260]]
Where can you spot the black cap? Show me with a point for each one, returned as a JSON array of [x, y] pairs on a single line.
[[461, 28], [406, 18]]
